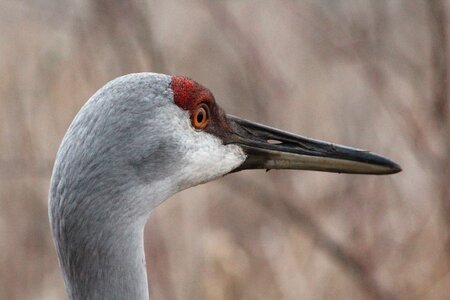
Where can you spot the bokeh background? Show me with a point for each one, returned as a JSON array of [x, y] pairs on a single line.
[[373, 74]]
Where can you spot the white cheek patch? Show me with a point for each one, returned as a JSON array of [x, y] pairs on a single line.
[[205, 156], [211, 159]]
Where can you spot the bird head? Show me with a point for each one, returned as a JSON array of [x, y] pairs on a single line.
[[161, 134]]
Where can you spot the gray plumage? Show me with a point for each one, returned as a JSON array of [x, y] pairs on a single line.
[[120, 158], [89, 196]]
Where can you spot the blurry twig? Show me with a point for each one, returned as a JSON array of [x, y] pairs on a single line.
[[440, 57], [440, 92], [259, 73], [126, 26], [283, 207]]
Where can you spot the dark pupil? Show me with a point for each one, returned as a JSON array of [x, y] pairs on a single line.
[[200, 116]]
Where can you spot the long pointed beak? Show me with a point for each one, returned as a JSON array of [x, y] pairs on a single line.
[[271, 148]]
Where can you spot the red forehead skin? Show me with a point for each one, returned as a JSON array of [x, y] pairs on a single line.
[[188, 94]]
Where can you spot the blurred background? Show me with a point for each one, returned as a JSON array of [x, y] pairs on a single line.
[[373, 74]]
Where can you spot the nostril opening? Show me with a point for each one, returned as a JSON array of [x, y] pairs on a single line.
[[274, 142]]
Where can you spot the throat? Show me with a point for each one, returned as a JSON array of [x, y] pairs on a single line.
[[105, 264]]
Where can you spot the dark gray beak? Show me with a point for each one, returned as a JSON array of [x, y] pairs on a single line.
[[270, 148]]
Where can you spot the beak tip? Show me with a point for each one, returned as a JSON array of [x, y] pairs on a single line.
[[396, 168], [391, 167]]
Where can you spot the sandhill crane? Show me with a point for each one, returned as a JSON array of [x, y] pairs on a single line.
[[140, 139]]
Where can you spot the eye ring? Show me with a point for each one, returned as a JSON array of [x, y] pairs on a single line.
[[200, 117]]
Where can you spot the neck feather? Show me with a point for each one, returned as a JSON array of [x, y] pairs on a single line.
[[101, 260], [106, 265]]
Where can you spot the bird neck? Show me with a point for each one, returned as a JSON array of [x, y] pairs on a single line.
[[105, 263], [98, 233]]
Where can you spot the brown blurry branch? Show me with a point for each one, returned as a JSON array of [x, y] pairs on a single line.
[[258, 72], [440, 65], [127, 27], [283, 208], [440, 59]]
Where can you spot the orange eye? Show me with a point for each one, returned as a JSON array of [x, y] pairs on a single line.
[[200, 117]]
